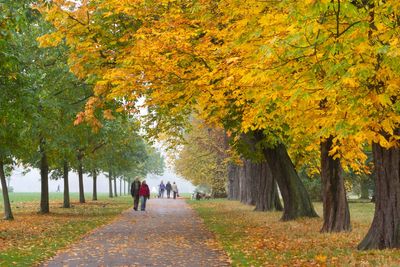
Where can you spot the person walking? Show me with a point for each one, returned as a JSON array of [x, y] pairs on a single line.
[[175, 190], [144, 194], [135, 187], [161, 190], [168, 187]]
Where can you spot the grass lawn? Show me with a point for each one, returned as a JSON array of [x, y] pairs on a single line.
[[29, 197], [259, 239], [32, 238]]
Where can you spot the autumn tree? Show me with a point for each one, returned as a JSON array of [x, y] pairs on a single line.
[[178, 67], [203, 159], [322, 74]]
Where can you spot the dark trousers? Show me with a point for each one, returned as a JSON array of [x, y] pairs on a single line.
[[168, 193], [135, 201], [175, 193]]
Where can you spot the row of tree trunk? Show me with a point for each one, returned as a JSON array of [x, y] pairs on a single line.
[[44, 175], [255, 184]]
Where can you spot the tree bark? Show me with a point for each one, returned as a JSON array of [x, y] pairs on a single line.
[[277, 202], [385, 227], [120, 186], [129, 186], [335, 206], [67, 203], [250, 182], [233, 181], [7, 206], [110, 189], [295, 197], [230, 181], [80, 178], [246, 183], [124, 187], [265, 186], [94, 174], [115, 186], [44, 179]]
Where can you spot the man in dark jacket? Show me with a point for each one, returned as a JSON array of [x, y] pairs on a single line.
[[135, 187], [168, 187]]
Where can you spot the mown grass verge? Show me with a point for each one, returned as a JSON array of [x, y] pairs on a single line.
[[259, 239]]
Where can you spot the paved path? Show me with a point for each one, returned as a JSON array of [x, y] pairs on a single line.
[[168, 233]]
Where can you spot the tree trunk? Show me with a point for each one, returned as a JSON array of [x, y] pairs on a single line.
[[120, 186], [7, 206], [265, 187], [94, 174], [67, 203], [115, 186], [385, 227], [295, 197], [80, 177], [233, 182], [250, 172], [124, 187], [44, 179], [110, 189], [246, 185], [336, 208], [364, 185], [231, 172], [277, 202]]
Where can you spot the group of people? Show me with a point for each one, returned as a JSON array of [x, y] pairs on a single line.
[[140, 192], [168, 187]]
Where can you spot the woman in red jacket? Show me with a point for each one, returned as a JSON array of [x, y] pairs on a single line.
[[144, 194]]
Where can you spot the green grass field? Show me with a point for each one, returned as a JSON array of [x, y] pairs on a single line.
[[28, 197]]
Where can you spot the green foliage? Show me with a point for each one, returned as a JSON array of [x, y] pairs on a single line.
[[313, 186]]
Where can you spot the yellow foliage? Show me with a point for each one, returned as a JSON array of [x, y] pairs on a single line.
[[284, 67]]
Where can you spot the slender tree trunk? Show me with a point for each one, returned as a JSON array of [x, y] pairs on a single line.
[[233, 181], [7, 206], [115, 186], [110, 189], [336, 208], [94, 174], [44, 179], [385, 227], [120, 186], [236, 192], [295, 197], [243, 183], [231, 172], [80, 177], [250, 183], [267, 195], [129, 186], [124, 187], [67, 203]]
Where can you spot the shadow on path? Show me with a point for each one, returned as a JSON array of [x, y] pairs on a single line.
[[168, 233]]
